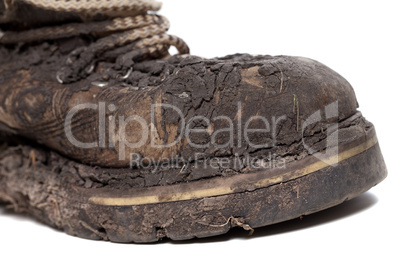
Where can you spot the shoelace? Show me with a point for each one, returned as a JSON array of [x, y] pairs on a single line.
[[129, 26]]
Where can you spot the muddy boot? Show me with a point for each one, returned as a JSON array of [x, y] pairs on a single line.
[[106, 136]]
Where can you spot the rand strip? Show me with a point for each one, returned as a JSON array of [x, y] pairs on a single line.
[[173, 194]]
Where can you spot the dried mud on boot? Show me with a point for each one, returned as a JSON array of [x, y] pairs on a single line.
[[91, 193]]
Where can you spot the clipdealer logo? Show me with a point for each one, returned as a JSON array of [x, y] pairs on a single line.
[[237, 131]]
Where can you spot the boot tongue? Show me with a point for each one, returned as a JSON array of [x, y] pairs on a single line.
[[2, 8], [28, 14], [22, 16]]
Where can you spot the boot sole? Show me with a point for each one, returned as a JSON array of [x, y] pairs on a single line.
[[200, 208]]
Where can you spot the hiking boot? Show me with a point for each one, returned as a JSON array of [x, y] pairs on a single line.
[[107, 136]]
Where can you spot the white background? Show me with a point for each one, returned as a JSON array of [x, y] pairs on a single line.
[[359, 39]]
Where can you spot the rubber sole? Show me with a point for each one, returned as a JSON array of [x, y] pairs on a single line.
[[201, 208]]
